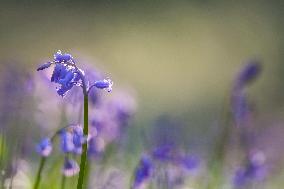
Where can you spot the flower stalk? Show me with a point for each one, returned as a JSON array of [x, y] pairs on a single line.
[[85, 146], [38, 177]]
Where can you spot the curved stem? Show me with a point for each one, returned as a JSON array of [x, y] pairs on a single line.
[[84, 153], [42, 162]]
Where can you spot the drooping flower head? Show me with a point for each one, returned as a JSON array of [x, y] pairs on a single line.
[[66, 74], [72, 139], [70, 167], [44, 148], [247, 74], [239, 100]]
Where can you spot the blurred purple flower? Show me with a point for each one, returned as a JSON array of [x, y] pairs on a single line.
[[189, 162], [44, 148], [109, 119], [72, 139], [247, 74], [70, 167], [164, 153], [254, 170], [171, 154], [143, 171], [78, 139], [239, 101]]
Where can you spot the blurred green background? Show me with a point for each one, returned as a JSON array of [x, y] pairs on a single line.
[[179, 56]]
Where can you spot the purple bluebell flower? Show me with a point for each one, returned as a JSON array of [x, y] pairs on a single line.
[[67, 74], [170, 154], [61, 58], [44, 66], [72, 139], [249, 72], [104, 84], [44, 148], [96, 146], [70, 167], [67, 144], [122, 106], [143, 171], [78, 139], [240, 105], [189, 162], [164, 153], [255, 170]]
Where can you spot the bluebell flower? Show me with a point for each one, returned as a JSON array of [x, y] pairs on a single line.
[[143, 171], [44, 148], [96, 146], [240, 105], [67, 74], [72, 139], [70, 167], [67, 144], [255, 170], [170, 154], [189, 162], [249, 72], [44, 66], [104, 84], [164, 153], [62, 58], [78, 139]]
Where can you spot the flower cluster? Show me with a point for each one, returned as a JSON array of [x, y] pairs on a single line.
[[72, 139], [66, 74], [170, 154], [167, 155]]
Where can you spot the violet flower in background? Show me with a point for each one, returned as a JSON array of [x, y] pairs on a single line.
[[72, 139], [143, 171], [240, 106], [173, 155], [44, 148], [109, 121], [248, 73], [70, 167], [255, 170], [16, 117]]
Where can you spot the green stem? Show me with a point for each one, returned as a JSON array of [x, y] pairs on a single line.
[[84, 153], [63, 180], [42, 162], [87, 174]]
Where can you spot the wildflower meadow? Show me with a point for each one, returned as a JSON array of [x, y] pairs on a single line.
[[141, 94]]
